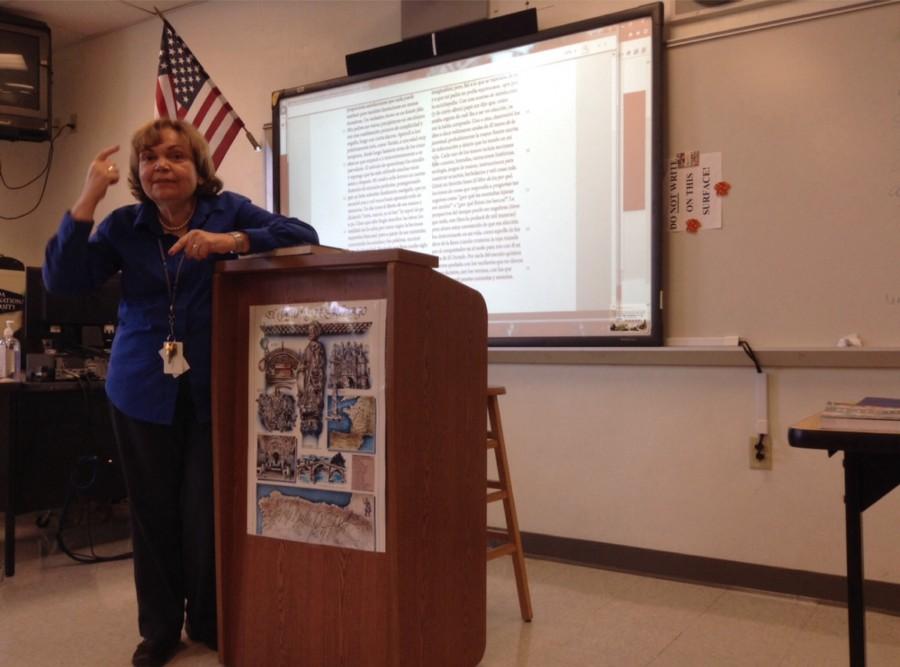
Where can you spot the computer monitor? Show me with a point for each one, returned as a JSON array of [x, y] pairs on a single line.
[[83, 324]]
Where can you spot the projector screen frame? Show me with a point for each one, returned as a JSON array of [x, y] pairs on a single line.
[[653, 334]]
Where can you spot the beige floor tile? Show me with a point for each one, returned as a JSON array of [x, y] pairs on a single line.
[[824, 640], [55, 612], [741, 628]]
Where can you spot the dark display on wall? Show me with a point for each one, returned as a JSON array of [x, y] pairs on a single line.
[[24, 79], [531, 168]]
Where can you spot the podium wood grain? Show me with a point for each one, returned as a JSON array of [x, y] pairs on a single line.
[[422, 601]]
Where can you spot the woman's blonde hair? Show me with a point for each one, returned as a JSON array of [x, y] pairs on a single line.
[[150, 135]]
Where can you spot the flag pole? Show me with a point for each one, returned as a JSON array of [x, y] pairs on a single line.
[[252, 140], [247, 133]]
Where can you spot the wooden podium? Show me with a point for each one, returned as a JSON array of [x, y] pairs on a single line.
[[422, 600]]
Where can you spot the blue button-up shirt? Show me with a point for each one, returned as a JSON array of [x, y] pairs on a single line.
[[129, 240]]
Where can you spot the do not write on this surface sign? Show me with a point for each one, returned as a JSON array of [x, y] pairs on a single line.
[[691, 188]]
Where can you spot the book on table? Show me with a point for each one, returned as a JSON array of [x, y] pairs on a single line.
[[873, 413]]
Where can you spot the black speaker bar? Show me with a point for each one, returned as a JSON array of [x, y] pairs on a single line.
[[382, 57], [443, 42]]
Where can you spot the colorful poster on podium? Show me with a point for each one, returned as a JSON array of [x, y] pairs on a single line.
[[316, 443]]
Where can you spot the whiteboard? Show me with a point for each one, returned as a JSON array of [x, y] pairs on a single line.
[[806, 116]]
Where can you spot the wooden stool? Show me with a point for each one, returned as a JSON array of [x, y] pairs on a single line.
[[510, 541]]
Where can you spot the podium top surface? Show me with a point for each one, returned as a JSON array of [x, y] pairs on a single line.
[[311, 257]]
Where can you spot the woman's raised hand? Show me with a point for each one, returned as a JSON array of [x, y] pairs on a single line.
[[102, 173]]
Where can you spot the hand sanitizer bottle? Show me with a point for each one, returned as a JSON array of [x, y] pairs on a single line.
[[3, 359], [12, 349]]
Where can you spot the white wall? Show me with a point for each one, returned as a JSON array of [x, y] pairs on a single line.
[[21, 162], [658, 457], [654, 457], [424, 16]]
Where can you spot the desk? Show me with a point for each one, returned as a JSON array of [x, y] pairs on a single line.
[[45, 428], [871, 470]]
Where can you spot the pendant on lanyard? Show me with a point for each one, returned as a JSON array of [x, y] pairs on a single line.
[[172, 351]]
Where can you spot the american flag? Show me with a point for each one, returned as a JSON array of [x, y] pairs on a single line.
[[185, 91]]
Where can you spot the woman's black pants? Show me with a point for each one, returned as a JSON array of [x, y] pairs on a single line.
[[168, 475]]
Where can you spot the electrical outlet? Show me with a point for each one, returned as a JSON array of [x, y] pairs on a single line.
[[760, 457], [72, 123]]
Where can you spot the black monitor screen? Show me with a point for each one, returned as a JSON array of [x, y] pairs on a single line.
[[69, 321]]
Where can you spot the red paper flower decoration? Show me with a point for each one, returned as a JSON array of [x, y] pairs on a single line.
[[693, 225], [722, 188]]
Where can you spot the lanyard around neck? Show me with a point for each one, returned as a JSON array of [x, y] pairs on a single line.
[[171, 287]]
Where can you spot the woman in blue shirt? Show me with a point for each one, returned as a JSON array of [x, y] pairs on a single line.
[[158, 382]]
